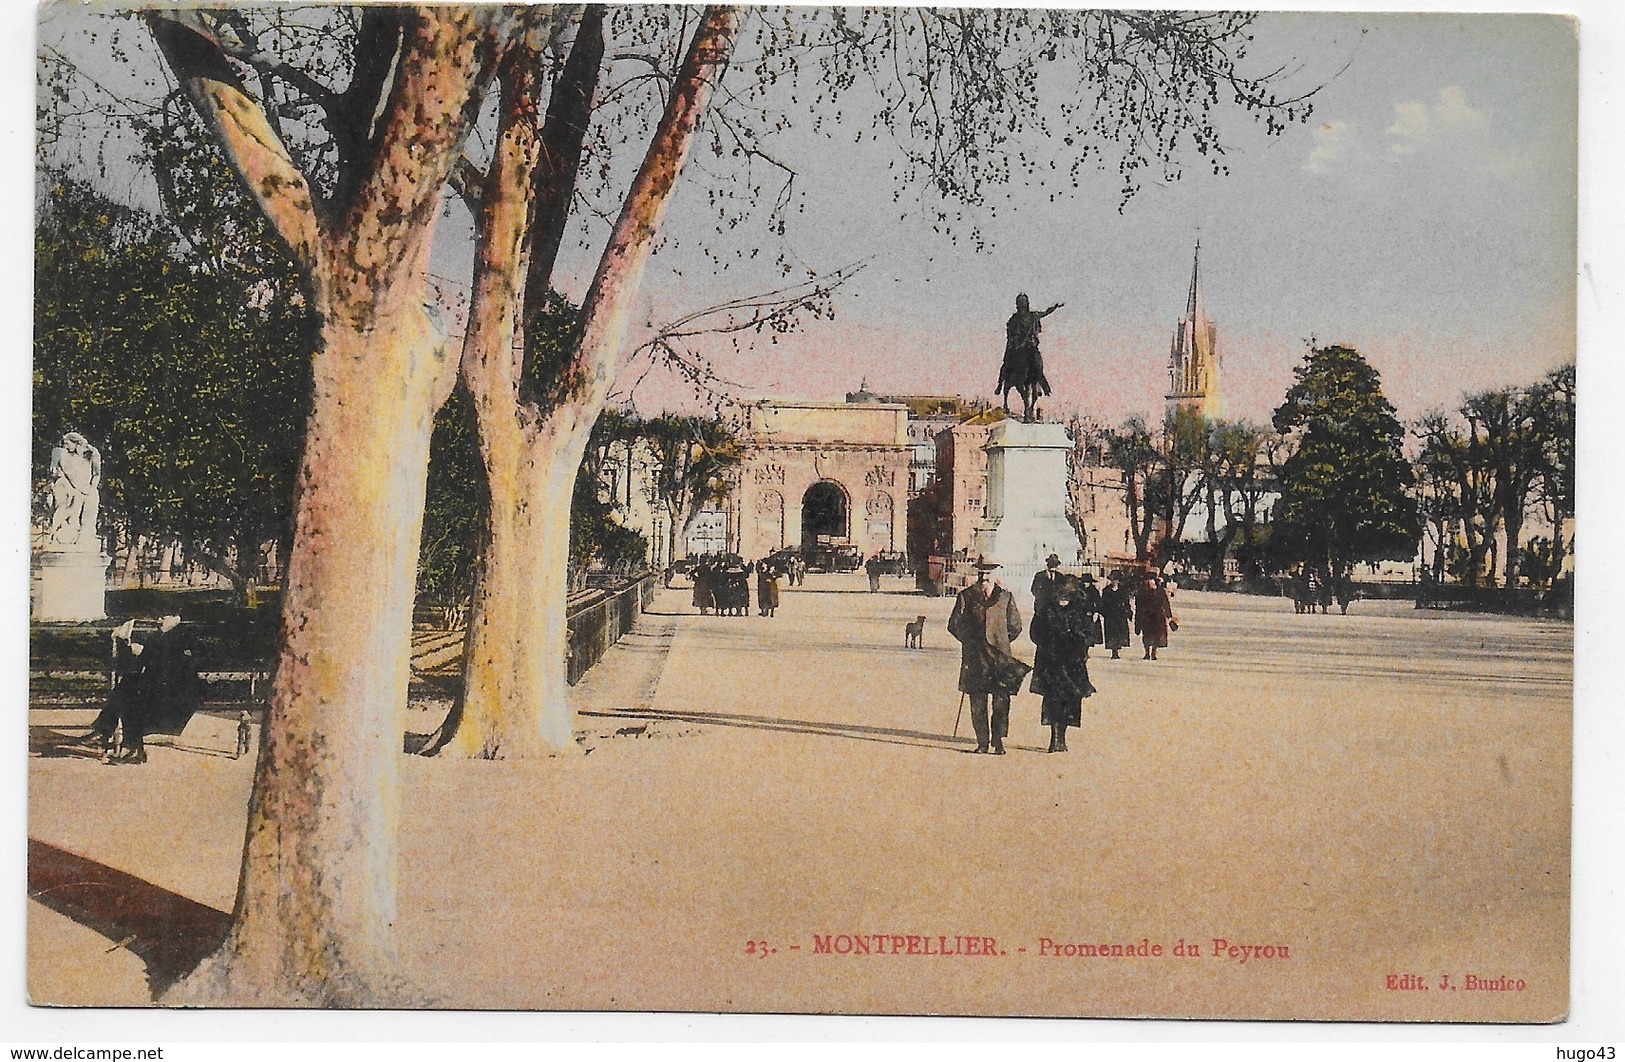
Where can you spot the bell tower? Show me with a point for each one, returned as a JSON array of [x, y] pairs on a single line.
[[1193, 357]]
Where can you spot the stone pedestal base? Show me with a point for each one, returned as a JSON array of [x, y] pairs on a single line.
[[68, 588], [1026, 505]]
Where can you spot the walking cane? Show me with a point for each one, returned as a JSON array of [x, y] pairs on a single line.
[[960, 714]]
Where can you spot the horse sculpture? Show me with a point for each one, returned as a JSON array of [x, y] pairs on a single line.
[[1023, 368]]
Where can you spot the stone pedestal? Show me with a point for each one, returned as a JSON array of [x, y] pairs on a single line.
[[1026, 505], [68, 587]]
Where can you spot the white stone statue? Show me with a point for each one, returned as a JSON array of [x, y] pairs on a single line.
[[76, 480]]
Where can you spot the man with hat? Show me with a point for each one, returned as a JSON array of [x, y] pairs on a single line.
[[1045, 586], [1046, 581], [985, 620]]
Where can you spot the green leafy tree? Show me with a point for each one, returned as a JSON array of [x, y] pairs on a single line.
[[1346, 488], [189, 369], [1235, 478], [1505, 430], [1184, 448], [693, 456]]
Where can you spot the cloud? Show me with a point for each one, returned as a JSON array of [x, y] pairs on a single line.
[[1412, 126], [1331, 140], [1418, 124]]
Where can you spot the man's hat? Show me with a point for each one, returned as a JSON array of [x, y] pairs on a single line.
[[1086, 578], [1053, 560], [985, 565]]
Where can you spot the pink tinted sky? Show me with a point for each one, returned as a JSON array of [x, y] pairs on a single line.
[[1425, 215]]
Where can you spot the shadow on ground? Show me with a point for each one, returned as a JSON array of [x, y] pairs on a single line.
[[168, 932], [883, 735]]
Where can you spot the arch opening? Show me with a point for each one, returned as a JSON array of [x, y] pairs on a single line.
[[824, 512]]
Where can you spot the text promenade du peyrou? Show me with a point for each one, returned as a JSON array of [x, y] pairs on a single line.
[[942, 946]]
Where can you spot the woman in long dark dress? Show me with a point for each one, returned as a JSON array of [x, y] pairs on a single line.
[[705, 585], [1116, 609], [767, 587], [1062, 627]]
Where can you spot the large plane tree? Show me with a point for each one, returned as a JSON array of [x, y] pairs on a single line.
[[350, 178], [316, 903]]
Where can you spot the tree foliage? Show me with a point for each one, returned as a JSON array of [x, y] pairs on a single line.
[[1346, 488], [1485, 468], [187, 366]]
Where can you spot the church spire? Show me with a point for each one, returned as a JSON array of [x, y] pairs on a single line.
[[1193, 359], [1193, 304]]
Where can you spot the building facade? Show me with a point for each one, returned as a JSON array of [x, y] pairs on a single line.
[[961, 486], [835, 472]]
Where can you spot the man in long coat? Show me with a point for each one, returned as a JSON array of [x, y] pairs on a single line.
[[1152, 614], [985, 621]]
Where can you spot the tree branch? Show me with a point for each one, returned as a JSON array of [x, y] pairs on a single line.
[[448, 57], [553, 182], [239, 124]]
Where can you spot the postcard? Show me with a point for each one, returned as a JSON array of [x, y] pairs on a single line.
[[870, 511]]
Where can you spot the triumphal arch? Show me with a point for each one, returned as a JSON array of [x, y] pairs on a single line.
[[836, 471]]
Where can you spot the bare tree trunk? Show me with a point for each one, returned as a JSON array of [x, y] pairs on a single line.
[[1514, 530], [315, 908], [514, 700]]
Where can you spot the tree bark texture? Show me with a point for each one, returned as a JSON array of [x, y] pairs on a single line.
[[508, 654], [514, 701], [315, 910]]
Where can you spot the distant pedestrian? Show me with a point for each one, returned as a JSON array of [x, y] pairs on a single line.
[[244, 733], [1063, 630], [767, 588], [736, 583], [985, 621], [1116, 610], [704, 586], [1089, 601], [1045, 583], [872, 566], [1153, 615], [126, 704], [1343, 589]]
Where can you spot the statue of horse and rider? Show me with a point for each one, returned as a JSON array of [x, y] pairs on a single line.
[[1023, 368]]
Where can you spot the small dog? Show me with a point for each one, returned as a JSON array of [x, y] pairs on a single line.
[[914, 633]]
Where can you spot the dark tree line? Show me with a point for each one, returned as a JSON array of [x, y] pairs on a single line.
[[1487, 469], [1329, 485]]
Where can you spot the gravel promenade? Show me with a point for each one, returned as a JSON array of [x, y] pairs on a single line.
[[1284, 817]]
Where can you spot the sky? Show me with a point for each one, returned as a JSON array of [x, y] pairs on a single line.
[[1424, 215]]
